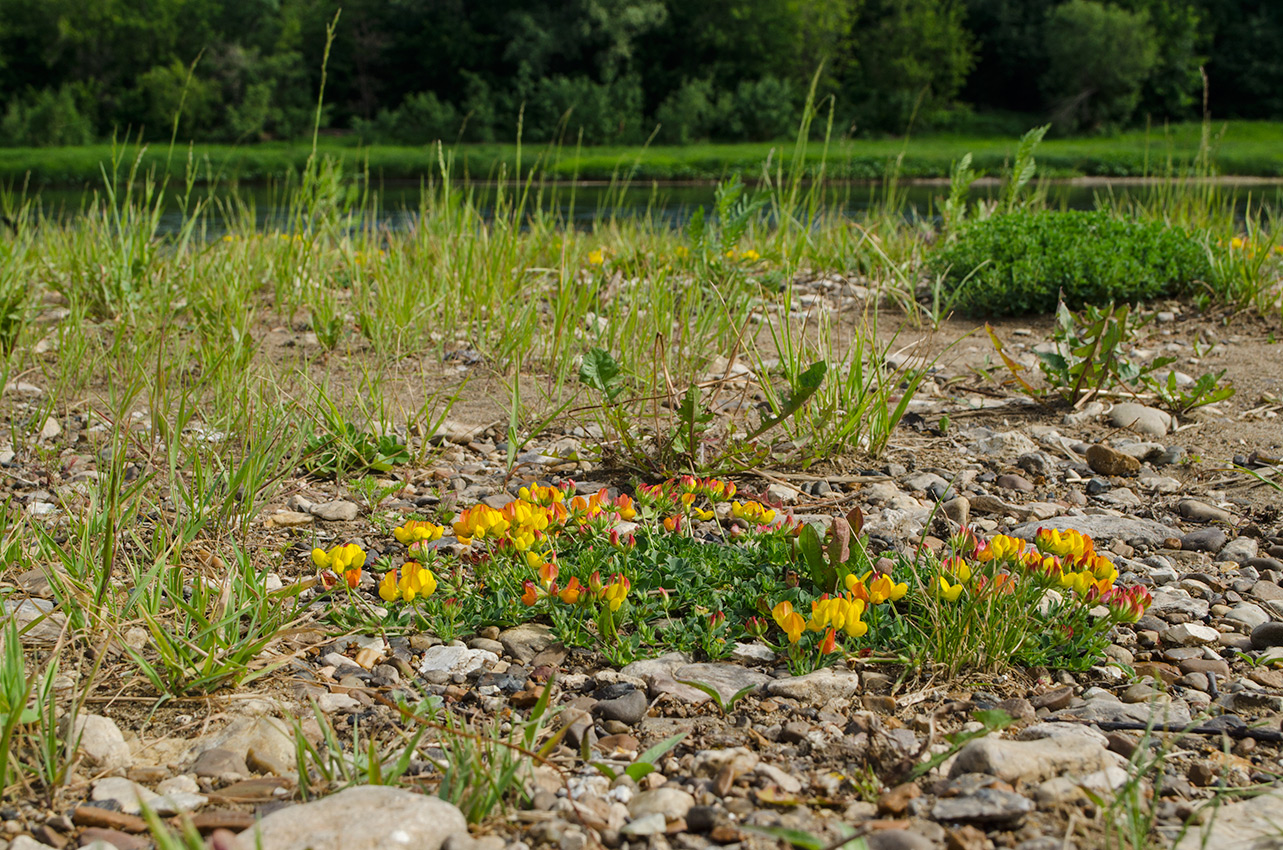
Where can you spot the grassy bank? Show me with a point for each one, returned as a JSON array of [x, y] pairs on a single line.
[[1238, 148]]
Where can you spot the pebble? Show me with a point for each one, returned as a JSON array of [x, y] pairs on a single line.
[[1189, 634], [1204, 540], [336, 511], [818, 687], [1196, 511], [368, 817], [1014, 482], [101, 742], [1141, 419], [1111, 462], [525, 641], [987, 805], [444, 661], [666, 801], [1104, 528], [1267, 635], [628, 709], [1033, 761]]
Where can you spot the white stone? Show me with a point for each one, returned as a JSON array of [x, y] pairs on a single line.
[[454, 659], [1189, 634], [369, 817]]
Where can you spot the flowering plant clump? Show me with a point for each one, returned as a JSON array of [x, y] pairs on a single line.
[[695, 564], [345, 562]]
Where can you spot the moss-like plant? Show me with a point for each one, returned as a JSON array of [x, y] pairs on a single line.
[[1023, 262]]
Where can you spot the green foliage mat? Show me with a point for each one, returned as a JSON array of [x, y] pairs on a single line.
[[1022, 262]]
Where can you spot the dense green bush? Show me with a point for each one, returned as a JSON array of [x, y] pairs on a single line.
[[420, 120], [46, 118], [1021, 262]]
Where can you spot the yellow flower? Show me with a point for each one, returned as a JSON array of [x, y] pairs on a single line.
[[882, 589], [750, 255], [388, 589], [616, 591], [753, 512], [417, 580], [340, 559], [839, 612], [1001, 548], [789, 620], [480, 521], [597, 257], [950, 592], [418, 531]]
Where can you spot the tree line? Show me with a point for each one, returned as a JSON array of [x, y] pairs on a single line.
[[612, 71]]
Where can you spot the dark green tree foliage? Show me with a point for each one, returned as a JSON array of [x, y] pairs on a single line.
[[907, 57], [1098, 58], [611, 71]]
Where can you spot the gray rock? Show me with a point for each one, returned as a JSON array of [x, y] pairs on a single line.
[[668, 801], [958, 511], [628, 709], [1003, 443], [1248, 614], [1103, 527], [457, 432], [1240, 550], [1014, 482], [336, 511], [1035, 760], [1267, 635], [1189, 634], [449, 660], [817, 688], [219, 761], [527, 640], [726, 679], [753, 653], [269, 747], [658, 674], [1197, 511], [650, 824], [177, 802], [1267, 591], [898, 839], [370, 817], [988, 805], [101, 742], [1170, 600], [1251, 825], [129, 795], [36, 618], [1142, 451], [1141, 419], [1204, 540], [1108, 708]]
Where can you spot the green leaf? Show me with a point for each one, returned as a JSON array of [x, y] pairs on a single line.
[[600, 371]]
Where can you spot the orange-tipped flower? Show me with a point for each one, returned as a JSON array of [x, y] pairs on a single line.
[[571, 592]]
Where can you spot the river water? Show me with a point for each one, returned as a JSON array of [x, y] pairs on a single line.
[[581, 205]]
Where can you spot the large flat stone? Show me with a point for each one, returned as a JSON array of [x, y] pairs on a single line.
[[1102, 527], [367, 817]]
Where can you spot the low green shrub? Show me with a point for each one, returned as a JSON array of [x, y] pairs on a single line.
[[1022, 262]]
